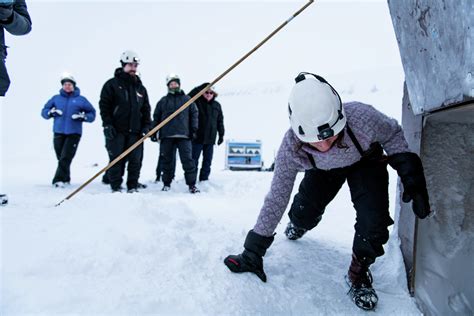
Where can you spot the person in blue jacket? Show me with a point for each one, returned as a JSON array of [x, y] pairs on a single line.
[[69, 110]]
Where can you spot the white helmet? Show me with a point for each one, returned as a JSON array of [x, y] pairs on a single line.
[[66, 76], [172, 77], [315, 109], [129, 56]]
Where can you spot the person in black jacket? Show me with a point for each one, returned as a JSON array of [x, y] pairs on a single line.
[[177, 134], [211, 122], [125, 111], [15, 19]]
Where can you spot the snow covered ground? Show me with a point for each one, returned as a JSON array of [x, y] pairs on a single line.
[[161, 253]]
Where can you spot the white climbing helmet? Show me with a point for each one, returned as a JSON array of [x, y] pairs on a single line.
[[315, 109], [66, 76], [172, 77], [129, 56]]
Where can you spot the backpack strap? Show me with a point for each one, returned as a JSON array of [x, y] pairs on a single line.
[[355, 141], [311, 159]]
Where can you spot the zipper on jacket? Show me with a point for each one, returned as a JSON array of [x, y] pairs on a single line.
[[115, 110], [65, 115]]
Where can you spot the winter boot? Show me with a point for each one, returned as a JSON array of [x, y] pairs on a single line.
[[117, 189], [59, 184], [359, 279], [3, 199], [294, 232], [166, 188], [141, 186], [105, 179], [193, 189]]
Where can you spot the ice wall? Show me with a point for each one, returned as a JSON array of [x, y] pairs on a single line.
[[436, 45], [445, 242]]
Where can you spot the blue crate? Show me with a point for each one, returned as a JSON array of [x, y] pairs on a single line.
[[244, 155]]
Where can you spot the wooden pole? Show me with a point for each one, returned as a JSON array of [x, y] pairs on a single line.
[[187, 104]]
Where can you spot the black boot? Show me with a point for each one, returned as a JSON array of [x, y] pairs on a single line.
[[359, 279], [193, 189], [3, 199], [117, 189], [294, 232], [105, 179]]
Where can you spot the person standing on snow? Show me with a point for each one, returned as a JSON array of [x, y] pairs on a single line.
[[334, 142], [105, 177], [177, 134], [15, 19], [69, 110], [211, 122], [125, 111]]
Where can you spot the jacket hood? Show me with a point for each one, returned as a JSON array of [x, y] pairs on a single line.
[[75, 93], [213, 98], [120, 74]]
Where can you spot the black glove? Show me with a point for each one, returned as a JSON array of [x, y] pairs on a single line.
[[145, 131], [410, 170], [251, 259], [79, 116], [220, 140], [153, 138], [110, 132], [54, 112]]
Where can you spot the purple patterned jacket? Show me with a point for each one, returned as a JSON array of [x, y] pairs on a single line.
[[368, 125]]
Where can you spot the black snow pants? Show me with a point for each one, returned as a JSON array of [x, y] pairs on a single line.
[[368, 183], [168, 148], [207, 153], [65, 147], [159, 168], [117, 146]]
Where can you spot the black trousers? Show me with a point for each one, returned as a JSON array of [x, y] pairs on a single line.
[[115, 147], [105, 177], [65, 147], [159, 167], [207, 153], [168, 148], [368, 183], [4, 78]]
